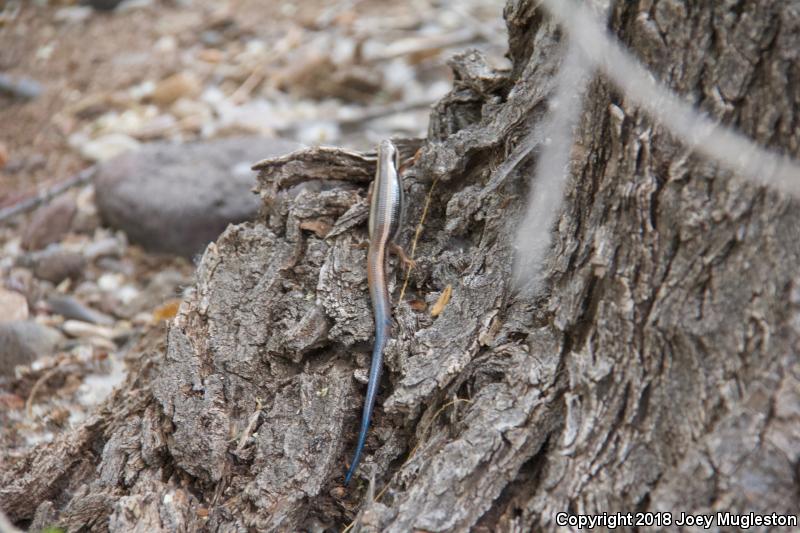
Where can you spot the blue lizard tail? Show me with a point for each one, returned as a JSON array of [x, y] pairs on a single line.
[[381, 328]]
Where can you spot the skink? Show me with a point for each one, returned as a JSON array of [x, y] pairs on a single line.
[[385, 219]]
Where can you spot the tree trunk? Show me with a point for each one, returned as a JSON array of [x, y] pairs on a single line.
[[655, 370]]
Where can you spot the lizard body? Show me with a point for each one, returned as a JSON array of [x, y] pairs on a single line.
[[385, 219]]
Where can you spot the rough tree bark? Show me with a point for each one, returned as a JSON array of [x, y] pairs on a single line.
[[656, 370]]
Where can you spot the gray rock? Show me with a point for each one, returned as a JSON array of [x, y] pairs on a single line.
[[54, 264], [103, 5], [23, 341], [49, 223], [70, 308], [176, 198], [13, 305], [20, 88]]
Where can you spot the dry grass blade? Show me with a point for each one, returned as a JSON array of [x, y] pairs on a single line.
[[417, 234]]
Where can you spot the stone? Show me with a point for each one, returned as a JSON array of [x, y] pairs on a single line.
[[22, 341], [55, 264], [107, 147], [104, 5], [49, 223], [13, 306], [72, 14], [80, 329], [71, 308], [180, 85], [176, 198], [20, 88]]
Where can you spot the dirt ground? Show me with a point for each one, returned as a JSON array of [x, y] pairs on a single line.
[[82, 64], [87, 62]]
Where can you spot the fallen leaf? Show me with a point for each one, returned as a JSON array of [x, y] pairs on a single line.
[[417, 305], [442, 302], [168, 90], [166, 311]]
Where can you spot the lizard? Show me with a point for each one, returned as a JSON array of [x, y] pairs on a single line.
[[386, 213]]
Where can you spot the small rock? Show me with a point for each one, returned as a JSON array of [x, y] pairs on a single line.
[[12, 248], [20, 88], [107, 247], [85, 223], [180, 85], [80, 329], [103, 5], [142, 90], [21, 280], [54, 264], [70, 308], [127, 294], [166, 44], [49, 224], [108, 146], [110, 281], [210, 55], [319, 132], [254, 117], [112, 264], [73, 14], [3, 155], [185, 108], [13, 306], [130, 5], [211, 38], [23, 341], [177, 198]]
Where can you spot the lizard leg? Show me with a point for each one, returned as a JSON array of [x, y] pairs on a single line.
[[369, 192], [398, 250]]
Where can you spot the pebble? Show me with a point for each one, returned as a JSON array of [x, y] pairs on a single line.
[[104, 5], [12, 248], [319, 132], [110, 281], [72, 14], [180, 85], [3, 155], [166, 44], [20, 88], [185, 108], [211, 38], [255, 117], [127, 294], [55, 264], [176, 199], [13, 306], [85, 222], [21, 280], [81, 329], [105, 247], [23, 341], [142, 90], [108, 146], [112, 264], [49, 223], [71, 308]]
